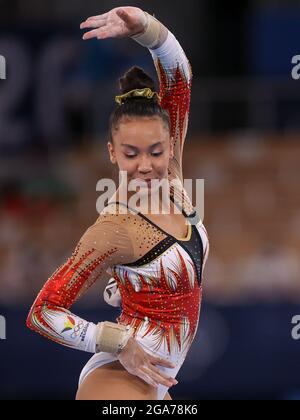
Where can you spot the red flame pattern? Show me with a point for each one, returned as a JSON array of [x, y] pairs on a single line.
[[165, 309]]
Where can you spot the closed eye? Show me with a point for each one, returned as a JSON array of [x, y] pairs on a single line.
[[157, 154], [131, 156]]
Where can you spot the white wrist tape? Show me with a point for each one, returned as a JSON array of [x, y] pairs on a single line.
[[150, 37], [112, 337]]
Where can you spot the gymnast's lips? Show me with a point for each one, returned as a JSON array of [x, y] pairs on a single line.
[[146, 181]]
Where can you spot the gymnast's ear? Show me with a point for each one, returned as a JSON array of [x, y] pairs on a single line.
[[112, 153]]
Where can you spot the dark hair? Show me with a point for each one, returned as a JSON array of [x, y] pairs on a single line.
[[136, 78]]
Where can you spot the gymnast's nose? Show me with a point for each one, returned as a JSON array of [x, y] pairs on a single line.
[[145, 165]]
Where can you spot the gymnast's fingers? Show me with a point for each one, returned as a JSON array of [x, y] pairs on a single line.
[[163, 374], [147, 379], [157, 377], [103, 16], [162, 362], [124, 16], [96, 33], [92, 24]]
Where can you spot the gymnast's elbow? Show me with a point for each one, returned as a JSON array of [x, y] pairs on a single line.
[[31, 320]]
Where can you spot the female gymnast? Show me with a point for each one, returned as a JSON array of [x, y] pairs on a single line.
[[156, 261]]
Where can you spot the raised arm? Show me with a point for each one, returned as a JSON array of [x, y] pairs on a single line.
[[175, 77], [171, 63]]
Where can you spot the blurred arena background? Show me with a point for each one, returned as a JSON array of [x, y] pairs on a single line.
[[243, 140]]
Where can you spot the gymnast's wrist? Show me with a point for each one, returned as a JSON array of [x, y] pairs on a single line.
[[112, 337], [150, 37]]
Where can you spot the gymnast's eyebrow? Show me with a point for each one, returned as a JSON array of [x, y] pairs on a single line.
[[150, 147]]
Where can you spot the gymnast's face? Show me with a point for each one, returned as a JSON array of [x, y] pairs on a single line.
[[142, 147]]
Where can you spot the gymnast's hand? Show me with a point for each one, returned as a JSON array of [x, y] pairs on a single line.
[[121, 22], [139, 363]]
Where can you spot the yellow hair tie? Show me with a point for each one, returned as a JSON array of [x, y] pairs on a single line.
[[137, 93]]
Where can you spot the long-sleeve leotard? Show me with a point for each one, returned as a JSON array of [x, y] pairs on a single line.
[[111, 241], [175, 76]]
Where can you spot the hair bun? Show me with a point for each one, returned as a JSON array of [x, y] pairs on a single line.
[[135, 78]]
